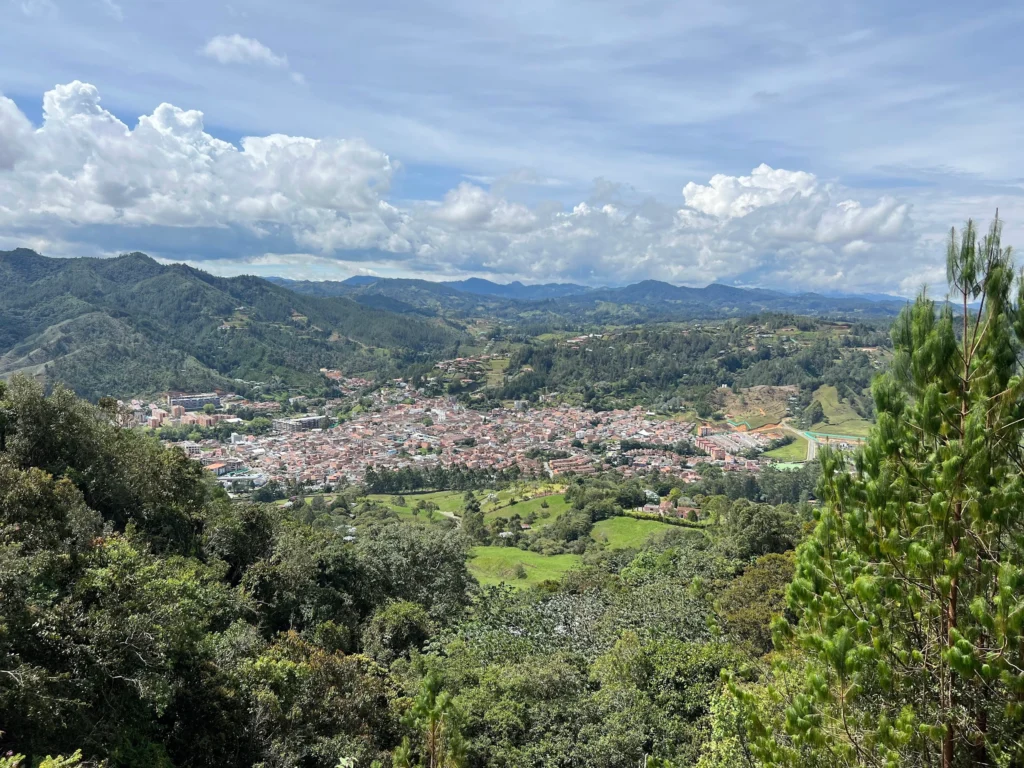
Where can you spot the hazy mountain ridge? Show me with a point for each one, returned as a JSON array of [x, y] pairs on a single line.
[[646, 300]]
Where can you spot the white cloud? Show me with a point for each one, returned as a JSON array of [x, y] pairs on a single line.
[[85, 174], [86, 167], [734, 196], [470, 207], [16, 130], [235, 49]]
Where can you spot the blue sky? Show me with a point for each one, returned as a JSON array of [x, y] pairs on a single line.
[[533, 141]]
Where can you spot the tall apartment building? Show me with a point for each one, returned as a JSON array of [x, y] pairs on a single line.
[[301, 424], [194, 402]]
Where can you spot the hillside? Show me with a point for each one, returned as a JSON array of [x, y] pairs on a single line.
[[130, 325]]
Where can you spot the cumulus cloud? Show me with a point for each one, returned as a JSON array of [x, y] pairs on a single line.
[[736, 196], [85, 167], [86, 174], [471, 207], [16, 131]]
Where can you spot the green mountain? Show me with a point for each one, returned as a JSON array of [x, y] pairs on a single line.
[[129, 325]]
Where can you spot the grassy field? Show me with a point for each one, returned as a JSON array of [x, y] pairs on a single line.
[[496, 371], [758, 406], [494, 565], [795, 451], [627, 532], [841, 419], [328, 498], [557, 505], [447, 501], [494, 504], [492, 500]]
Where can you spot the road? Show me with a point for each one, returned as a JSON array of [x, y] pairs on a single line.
[[452, 516], [812, 449], [812, 445]]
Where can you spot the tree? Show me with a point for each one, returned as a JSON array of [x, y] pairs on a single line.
[[715, 508], [17, 761], [260, 426], [814, 414], [909, 592], [473, 524], [750, 603], [437, 724], [311, 706], [421, 564], [7, 417], [759, 529], [241, 535], [395, 629], [269, 492]]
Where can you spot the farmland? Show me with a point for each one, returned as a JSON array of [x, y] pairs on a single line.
[[795, 451], [521, 568], [627, 532], [840, 418]]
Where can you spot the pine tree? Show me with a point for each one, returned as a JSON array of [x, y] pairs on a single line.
[[436, 721], [910, 589]]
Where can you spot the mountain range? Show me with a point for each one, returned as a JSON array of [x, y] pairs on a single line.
[[643, 301], [130, 325], [473, 285]]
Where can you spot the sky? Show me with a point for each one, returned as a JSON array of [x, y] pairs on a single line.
[[783, 144]]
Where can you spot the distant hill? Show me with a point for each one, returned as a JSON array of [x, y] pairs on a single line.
[[474, 285], [129, 325], [653, 299], [404, 295], [517, 290], [644, 301]]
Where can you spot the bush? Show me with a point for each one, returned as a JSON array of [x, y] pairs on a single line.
[[667, 520]]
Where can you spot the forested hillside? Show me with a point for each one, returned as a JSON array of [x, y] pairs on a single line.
[[674, 367], [129, 325]]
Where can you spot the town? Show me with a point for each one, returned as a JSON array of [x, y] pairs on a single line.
[[405, 428]]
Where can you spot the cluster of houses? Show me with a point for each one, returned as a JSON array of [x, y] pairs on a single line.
[[405, 429]]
